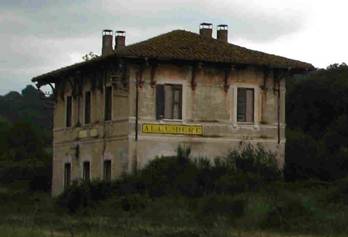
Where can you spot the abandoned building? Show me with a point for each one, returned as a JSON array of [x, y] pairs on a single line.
[[116, 112]]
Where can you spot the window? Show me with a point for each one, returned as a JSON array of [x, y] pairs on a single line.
[[245, 105], [67, 174], [169, 101], [107, 170], [108, 103], [86, 171], [87, 107], [68, 111]]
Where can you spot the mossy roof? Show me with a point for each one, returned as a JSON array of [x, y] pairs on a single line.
[[189, 46]]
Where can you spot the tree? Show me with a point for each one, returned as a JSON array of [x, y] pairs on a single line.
[[23, 143], [89, 56]]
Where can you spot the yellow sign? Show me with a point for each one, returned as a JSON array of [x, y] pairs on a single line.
[[176, 129]]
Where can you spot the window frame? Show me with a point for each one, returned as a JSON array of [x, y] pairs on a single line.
[[181, 103], [255, 104]]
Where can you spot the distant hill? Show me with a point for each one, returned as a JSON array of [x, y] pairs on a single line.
[[30, 106]]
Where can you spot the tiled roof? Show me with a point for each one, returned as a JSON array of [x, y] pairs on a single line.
[[189, 46], [185, 45]]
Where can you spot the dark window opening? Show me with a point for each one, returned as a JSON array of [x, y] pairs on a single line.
[[86, 171], [87, 107], [169, 101], [67, 174], [107, 170], [108, 103], [68, 111], [245, 105]]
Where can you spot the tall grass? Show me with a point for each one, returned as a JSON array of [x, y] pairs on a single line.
[[242, 194]]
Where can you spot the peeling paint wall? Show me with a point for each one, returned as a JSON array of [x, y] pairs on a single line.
[[215, 109], [211, 103]]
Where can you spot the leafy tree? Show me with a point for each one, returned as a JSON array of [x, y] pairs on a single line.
[[336, 136], [316, 100], [23, 142], [317, 115], [90, 56]]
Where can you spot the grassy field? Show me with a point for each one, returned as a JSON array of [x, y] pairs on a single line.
[[37, 232], [297, 210], [175, 196]]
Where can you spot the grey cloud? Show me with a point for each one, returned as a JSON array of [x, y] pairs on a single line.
[[38, 36]]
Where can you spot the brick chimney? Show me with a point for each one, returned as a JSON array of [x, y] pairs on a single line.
[[206, 29], [120, 39], [222, 33], [107, 42]]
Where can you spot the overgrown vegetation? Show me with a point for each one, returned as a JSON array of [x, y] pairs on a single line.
[[131, 207], [241, 171]]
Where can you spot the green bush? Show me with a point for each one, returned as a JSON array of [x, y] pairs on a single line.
[[255, 160], [180, 175], [85, 194], [171, 175], [237, 182], [221, 205], [133, 202], [304, 157], [37, 174]]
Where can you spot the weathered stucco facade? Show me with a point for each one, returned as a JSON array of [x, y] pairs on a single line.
[[208, 100]]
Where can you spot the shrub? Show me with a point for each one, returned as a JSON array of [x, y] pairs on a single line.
[[37, 174], [237, 182], [133, 202], [303, 158], [82, 195], [179, 175], [129, 184], [255, 161], [171, 175]]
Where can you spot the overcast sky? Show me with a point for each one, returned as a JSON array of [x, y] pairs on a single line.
[[37, 36]]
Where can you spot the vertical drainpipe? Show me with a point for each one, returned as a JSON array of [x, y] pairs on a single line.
[[138, 79], [137, 104]]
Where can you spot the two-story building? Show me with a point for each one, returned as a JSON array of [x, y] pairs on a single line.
[[115, 113]]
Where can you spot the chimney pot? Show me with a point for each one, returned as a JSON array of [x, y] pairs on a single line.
[[206, 29], [222, 33], [120, 39], [107, 42]]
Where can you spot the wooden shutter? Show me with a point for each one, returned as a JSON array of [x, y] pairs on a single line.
[[177, 102], [86, 171], [68, 112], [108, 103], [168, 101], [87, 107], [249, 109], [159, 102], [241, 104], [107, 170], [245, 105], [67, 174]]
